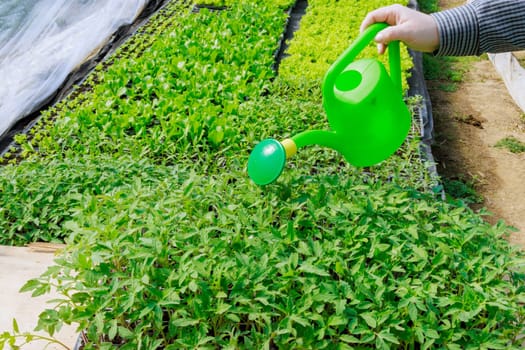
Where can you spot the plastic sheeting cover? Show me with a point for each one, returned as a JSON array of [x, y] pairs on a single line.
[[513, 75], [42, 41]]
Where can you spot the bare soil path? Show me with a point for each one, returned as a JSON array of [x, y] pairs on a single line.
[[468, 123]]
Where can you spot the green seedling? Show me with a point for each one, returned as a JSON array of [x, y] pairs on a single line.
[[512, 144]]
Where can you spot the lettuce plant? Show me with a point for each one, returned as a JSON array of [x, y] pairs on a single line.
[[285, 4], [326, 30]]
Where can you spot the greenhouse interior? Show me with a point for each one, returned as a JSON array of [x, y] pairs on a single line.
[[246, 174]]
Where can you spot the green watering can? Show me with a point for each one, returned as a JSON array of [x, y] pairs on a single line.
[[368, 117]]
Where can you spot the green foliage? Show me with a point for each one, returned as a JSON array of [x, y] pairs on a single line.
[[38, 197], [285, 4], [181, 94], [462, 190], [326, 30], [428, 6], [13, 339], [512, 144], [447, 71], [169, 245], [192, 261]]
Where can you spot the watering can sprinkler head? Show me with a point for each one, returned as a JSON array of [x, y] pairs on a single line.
[[365, 109], [268, 159]]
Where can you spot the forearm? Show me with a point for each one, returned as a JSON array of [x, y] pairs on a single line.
[[481, 26]]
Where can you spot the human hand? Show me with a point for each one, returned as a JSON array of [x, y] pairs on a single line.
[[417, 30]]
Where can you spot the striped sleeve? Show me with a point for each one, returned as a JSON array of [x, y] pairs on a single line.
[[481, 26]]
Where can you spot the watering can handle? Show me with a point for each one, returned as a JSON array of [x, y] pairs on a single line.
[[354, 49]]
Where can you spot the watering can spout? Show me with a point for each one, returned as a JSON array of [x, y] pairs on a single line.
[[268, 158], [324, 138]]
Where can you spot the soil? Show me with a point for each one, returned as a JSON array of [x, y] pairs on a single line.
[[468, 123]]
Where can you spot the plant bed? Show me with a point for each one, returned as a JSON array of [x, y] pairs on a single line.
[[141, 100], [330, 261], [77, 74]]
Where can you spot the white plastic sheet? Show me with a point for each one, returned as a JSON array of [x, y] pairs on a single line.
[[42, 41], [513, 74]]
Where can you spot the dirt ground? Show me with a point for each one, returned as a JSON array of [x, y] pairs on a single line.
[[468, 123]]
